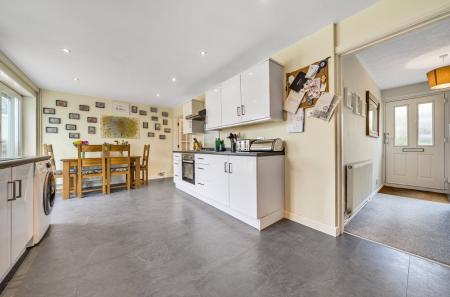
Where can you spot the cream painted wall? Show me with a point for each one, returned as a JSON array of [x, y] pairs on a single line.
[[384, 18], [356, 145], [160, 150]]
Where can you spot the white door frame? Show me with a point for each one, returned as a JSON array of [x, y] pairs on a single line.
[[339, 87]]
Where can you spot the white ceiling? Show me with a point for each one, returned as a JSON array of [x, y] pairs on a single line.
[[406, 59], [130, 50]]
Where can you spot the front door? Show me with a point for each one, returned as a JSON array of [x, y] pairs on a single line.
[[415, 142]]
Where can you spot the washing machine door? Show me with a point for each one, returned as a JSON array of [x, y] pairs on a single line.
[[49, 192]]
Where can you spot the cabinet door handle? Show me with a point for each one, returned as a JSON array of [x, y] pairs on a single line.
[[230, 168], [238, 111], [200, 168], [19, 194], [243, 109], [225, 166], [13, 191], [201, 184]]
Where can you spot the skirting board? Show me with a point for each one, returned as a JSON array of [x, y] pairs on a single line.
[[327, 229], [346, 221]]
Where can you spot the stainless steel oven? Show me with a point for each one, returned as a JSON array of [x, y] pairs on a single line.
[[188, 168]]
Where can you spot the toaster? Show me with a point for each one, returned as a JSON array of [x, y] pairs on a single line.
[[243, 145], [267, 145]]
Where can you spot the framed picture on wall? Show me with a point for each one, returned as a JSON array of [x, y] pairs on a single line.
[[51, 129], [134, 109], [151, 134], [154, 119], [61, 103], [100, 104], [91, 119], [166, 130], [74, 116], [157, 126], [84, 107], [165, 114], [162, 136], [145, 125], [153, 109], [48, 110], [142, 112], [165, 122], [119, 108], [74, 135], [71, 127], [91, 130], [348, 98], [54, 120]]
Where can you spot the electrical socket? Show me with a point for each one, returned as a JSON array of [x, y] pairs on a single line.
[[162, 173]]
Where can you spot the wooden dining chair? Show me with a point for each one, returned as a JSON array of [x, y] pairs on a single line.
[[90, 167], [118, 165], [144, 164], [48, 151]]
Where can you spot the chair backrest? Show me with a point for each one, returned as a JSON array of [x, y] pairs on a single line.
[[118, 160], [48, 151], [145, 155], [90, 162]]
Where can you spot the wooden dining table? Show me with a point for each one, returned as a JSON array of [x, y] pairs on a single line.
[[69, 163]]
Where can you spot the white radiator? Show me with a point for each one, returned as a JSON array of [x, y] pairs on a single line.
[[358, 185]]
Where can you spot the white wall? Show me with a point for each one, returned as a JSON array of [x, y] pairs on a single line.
[[160, 150], [356, 145]]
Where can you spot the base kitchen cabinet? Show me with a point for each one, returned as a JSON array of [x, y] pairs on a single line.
[[176, 168], [247, 186], [16, 214]]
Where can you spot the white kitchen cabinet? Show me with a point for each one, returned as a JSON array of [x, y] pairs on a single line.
[[22, 210], [177, 167], [214, 108], [218, 189], [255, 95], [231, 101], [242, 184], [5, 222]]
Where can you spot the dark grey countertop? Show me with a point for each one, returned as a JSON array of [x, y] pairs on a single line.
[[229, 153], [17, 161]]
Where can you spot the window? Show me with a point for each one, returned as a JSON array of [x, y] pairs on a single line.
[[425, 124], [10, 124], [401, 125]]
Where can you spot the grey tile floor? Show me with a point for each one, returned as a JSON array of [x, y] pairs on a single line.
[[158, 241]]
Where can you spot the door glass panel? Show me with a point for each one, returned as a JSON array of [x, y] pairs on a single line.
[[425, 123], [401, 125]]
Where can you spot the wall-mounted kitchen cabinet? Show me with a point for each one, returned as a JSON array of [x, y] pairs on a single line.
[[190, 109], [255, 95]]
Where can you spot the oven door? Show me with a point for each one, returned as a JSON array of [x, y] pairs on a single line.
[[188, 171]]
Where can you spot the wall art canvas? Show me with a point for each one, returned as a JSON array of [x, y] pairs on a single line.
[[165, 122], [100, 104], [162, 136], [47, 110], [165, 114], [74, 135], [151, 134], [134, 109], [51, 129], [84, 107], [154, 119], [74, 116], [145, 125], [54, 120], [142, 112], [166, 130], [157, 126], [120, 108], [153, 109], [61, 103], [119, 127]]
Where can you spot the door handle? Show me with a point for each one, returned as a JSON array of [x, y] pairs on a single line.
[[243, 109], [20, 188], [225, 166], [230, 168], [386, 138], [13, 192], [238, 111]]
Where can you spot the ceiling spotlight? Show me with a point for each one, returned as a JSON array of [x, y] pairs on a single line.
[[76, 79], [66, 50], [174, 79], [202, 53], [157, 94]]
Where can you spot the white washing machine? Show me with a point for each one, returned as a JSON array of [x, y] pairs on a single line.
[[44, 199]]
